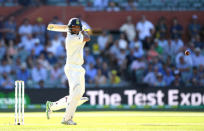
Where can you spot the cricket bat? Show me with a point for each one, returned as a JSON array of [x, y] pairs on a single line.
[[60, 28]]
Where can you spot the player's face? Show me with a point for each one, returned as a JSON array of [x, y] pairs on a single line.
[[75, 29]]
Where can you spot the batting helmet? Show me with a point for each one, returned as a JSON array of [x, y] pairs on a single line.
[[74, 22]]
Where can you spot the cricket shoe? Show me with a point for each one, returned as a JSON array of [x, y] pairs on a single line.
[[48, 110], [69, 122], [82, 100]]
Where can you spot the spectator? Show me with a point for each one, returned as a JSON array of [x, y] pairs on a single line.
[[29, 62], [202, 33], [197, 42], [100, 79], [182, 64], [5, 67], [56, 73], [113, 6], [123, 42], [54, 45], [39, 30], [40, 84], [168, 77], [38, 3], [157, 63], [16, 64], [147, 43], [194, 27], [152, 53], [169, 49], [188, 59], [2, 29], [201, 82], [28, 42], [150, 77], [22, 53], [129, 29], [10, 26], [177, 79], [23, 73], [13, 75], [39, 73], [132, 44], [195, 77], [100, 5], [90, 6], [144, 28], [121, 60], [158, 48], [176, 29], [44, 62], [114, 78], [6, 82], [104, 69], [32, 54], [137, 68], [138, 52], [91, 72], [138, 64], [198, 58], [88, 57], [102, 40], [95, 49], [12, 51], [162, 42], [24, 2], [38, 48], [159, 80], [25, 29], [201, 69], [115, 50], [61, 50], [55, 20], [131, 5], [161, 28], [2, 49], [184, 68], [177, 44], [51, 58], [168, 61], [121, 56], [110, 43], [99, 62]]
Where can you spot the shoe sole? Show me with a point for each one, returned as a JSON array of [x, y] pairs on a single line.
[[67, 123]]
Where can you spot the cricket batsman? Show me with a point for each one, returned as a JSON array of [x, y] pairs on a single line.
[[75, 41]]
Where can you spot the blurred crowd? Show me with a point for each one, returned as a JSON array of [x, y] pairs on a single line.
[[113, 5], [154, 54], [141, 53], [90, 5]]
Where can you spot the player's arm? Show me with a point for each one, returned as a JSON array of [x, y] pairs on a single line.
[[59, 28], [86, 36]]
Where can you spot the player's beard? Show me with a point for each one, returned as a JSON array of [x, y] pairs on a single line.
[[72, 32]]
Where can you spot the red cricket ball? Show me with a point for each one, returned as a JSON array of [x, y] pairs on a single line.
[[187, 52]]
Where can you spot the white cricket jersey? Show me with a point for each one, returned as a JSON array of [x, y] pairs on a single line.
[[74, 48]]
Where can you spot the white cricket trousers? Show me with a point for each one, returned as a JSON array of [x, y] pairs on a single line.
[[76, 79]]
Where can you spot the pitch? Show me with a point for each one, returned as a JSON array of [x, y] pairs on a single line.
[[108, 121]]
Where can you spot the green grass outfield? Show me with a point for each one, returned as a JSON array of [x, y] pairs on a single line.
[[108, 121]]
